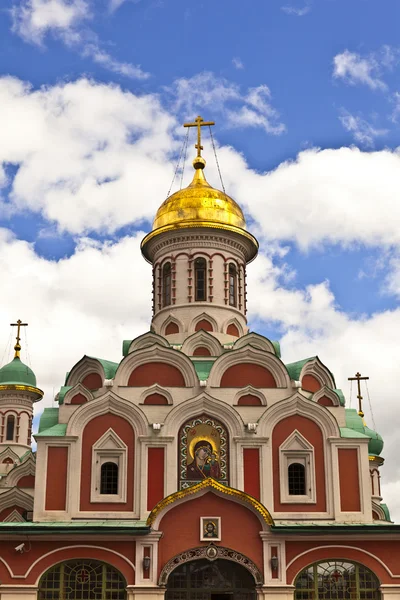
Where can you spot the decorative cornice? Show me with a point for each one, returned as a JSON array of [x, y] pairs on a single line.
[[22, 388], [210, 552], [211, 483]]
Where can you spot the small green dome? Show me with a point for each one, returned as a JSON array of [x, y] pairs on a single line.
[[375, 445], [16, 373]]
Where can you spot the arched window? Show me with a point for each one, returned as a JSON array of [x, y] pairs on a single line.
[[297, 479], [232, 285], [166, 284], [200, 279], [10, 428], [82, 579], [336, 580], [109, 478]]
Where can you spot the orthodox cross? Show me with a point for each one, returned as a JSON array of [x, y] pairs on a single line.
[[358, 378], [17, 346], [199, 123]]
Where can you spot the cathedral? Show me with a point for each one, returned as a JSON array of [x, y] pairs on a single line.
[[200, 466]]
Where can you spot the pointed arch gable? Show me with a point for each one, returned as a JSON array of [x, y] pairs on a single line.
[[203, 316], [203, 403], [9, 453], [86, 366], [156, 389], [143, 341], [253, 356], [109, 403], [256, 341], [171, 319], [316, 368], [236, 323], [249, 390], [14, 517], [201, 338], [199, 490], [297, 404], [327, 393], [156, 354], [79, 388], [24, 469], [16, 497]]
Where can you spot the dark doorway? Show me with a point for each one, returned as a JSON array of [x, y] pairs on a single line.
[[211, 580]]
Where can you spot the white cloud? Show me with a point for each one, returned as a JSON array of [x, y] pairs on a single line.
[[207, 91], [342, 196], [33, 20], [85, 153], [297, 11], [237, 63], [363, 132], [313, 324], [108, 62], [90, 302], [355, 69]]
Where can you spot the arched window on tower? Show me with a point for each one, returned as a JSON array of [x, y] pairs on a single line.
[[200, 275], [232, 285], [166, 284], [109, 478], [10, 428], [297, 479]]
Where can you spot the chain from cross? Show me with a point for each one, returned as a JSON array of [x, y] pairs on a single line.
[[199, 123], [358, 378], [17, 346]]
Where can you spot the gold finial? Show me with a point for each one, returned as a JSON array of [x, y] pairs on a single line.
[[358, 378], [199, 162], [17, 346]]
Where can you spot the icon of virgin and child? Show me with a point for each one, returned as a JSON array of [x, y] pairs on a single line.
[[205, 462]]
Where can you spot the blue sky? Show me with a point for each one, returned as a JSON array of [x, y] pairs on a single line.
[[306, 99]]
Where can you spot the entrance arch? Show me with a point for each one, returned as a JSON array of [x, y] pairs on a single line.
[[337, 580], [211, 580], [82, 580]]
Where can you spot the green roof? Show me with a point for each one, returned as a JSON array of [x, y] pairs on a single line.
[[203, 368], [355, 423], [48, 418], [294, 369], [277, 348], [110, 368], [61, 394], [17, 373], [340, 395], [385, 509], [346, 432], [101, 527], [336, 528], [58, 430]]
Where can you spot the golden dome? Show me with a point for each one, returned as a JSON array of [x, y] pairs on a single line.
[[199, 205]]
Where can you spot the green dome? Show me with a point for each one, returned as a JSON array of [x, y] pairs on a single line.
[[357, 423], [375, 445], [16, 373]]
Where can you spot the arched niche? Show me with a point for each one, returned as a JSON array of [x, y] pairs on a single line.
[[156, 399], [201, 339]]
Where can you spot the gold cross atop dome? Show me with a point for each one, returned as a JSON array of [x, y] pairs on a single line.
[[358, 378], [17, 346], [199, 123]]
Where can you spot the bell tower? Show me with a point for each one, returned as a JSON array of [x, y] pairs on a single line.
[[18, 393], [199, 249]]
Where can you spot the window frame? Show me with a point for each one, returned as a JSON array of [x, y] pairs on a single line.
[[109, 448], [232, 285], [296, 449], [9, 417], [166, 284], [198, 269]]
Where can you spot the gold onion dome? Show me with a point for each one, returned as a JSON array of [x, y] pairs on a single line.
[[200, 206]]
